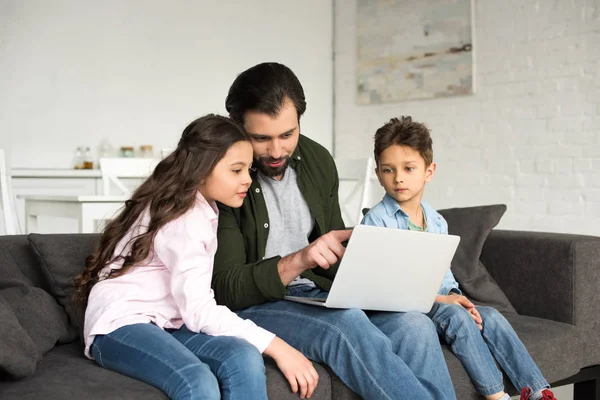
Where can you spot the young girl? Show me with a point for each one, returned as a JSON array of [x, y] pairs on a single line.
[[151, 313]]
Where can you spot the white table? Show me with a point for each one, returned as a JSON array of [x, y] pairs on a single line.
[[30, 182], [87, 210]]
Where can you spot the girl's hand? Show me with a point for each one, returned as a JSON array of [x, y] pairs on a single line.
[[296, 368], [461, 300]]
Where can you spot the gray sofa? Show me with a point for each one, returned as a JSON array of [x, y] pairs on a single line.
[[552, 280]]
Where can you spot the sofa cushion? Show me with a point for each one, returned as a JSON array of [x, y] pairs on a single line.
[[39, 315], [18, 354], [279, 388], [66, 373], [554, 346], [62, 257], [473, 225]]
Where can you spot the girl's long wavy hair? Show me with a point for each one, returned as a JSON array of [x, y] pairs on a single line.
[[168, 193]]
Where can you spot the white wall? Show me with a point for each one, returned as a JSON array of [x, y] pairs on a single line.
[[529, 137], [138, 71]]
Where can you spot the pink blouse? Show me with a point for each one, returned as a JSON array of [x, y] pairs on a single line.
[[172, 286]]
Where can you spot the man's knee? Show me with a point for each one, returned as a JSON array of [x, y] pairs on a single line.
[[417, 319], [348, 319], [419, 326], [345, 329]]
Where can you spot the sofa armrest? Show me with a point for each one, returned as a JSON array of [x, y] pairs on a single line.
[[548, 275]]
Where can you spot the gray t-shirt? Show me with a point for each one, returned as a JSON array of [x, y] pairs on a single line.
[[290, 221]]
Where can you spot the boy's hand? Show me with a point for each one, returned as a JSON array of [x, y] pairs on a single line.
[[461, 300]]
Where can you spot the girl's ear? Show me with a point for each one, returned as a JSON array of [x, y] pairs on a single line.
[[429, 172]]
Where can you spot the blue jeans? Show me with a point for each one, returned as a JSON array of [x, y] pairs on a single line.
[[184, 364], [379, 355], [477, 349]]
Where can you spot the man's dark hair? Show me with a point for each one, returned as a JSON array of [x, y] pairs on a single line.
[[264, 88], [404, 132]]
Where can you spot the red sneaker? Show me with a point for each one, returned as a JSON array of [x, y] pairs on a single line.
[[546, 394], [526, 393]]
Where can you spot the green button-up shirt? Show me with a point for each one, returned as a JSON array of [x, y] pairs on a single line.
[[242, 277]]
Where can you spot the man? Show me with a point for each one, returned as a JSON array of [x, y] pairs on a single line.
[[287, 238]]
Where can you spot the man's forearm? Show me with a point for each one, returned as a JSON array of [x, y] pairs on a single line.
[[290, 267]]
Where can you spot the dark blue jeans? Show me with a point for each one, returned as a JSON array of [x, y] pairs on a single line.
[[379, 355], [184, 364]]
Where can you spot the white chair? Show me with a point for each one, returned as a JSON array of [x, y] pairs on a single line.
[[359, 173], [7, 200], [114, 168]]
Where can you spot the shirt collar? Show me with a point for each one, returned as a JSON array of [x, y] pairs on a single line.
[[209, 209], [296, 156], [392, 206]]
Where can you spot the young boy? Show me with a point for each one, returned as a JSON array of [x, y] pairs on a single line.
[[404, 160]]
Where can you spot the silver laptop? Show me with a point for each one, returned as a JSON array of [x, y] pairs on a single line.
[[386, 269]]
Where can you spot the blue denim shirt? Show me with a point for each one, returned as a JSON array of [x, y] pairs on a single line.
[[387, 213]]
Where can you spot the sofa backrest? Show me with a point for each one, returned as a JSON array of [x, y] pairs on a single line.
[[17, 246], [25, 297]]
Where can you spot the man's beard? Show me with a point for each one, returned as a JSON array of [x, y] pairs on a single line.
[[271, 172]]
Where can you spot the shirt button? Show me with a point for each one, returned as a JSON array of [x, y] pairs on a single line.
[[299, 158], [257, 190], [266, 225]]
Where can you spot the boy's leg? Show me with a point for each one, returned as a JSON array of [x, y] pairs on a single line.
[[357, 351], [509, 351], [415, 340], [456, 327], [149, 354], [237, 364]]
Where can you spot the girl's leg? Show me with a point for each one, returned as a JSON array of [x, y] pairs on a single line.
[[237, 364], [149, 354], [456, 327], [510, 352]]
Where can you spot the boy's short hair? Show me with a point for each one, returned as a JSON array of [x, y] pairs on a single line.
[[404, 132]]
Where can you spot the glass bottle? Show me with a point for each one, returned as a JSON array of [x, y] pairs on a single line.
[[105, 149], [88, 160], [147, 151], [127, 151], [78, 159]]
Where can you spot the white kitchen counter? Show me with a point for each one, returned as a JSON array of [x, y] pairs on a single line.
[[63, 183], [60, 173], [54, 173]]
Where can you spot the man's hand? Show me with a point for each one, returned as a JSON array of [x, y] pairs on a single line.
[[326, 250], [461, 300], [323, 252]]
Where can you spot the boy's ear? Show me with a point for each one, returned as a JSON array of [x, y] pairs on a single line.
[[429, 172]]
